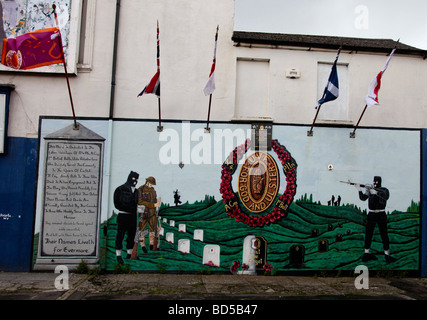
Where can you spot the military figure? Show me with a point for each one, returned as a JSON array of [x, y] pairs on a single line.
[[126, 200], [377, 197], [147, 209], [176, 197]]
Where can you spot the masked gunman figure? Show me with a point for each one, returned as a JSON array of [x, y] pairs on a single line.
[[147, 209], [377, 197], [126, 200]]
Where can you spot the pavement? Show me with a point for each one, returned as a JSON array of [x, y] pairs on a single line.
[[208, 296], [204, 287]]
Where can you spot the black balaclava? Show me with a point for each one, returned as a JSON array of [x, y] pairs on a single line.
[[132, 178], [377, 182]]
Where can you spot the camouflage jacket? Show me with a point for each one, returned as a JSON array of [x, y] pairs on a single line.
[[147, 197]]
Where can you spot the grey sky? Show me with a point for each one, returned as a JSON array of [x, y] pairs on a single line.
[[389, 19]]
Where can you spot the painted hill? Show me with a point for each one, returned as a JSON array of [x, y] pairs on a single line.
[[307, 223]]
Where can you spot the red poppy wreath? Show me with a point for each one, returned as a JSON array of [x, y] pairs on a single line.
[[230, 199]]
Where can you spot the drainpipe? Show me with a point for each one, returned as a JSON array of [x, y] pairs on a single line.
[[106, 202], [113, 71]]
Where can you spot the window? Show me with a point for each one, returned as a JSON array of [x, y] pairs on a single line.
[[336, 110], [87, 28], [252, 89], [22, 16]]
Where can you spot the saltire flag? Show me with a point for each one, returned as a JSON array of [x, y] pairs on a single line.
[[374, 87], [31, 50], [210, 85], [331, 91], [154, 84]]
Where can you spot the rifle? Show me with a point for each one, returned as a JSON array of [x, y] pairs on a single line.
[[156, 231], [138, 235], [366, 186]]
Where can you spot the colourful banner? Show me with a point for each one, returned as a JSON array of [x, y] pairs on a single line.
[[33, 50]]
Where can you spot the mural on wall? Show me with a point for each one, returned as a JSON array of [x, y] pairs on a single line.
[[219, 202]]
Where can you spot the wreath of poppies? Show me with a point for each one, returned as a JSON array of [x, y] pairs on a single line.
[[230, 198]]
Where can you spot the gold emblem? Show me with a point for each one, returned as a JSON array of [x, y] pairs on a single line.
[[258, 181]]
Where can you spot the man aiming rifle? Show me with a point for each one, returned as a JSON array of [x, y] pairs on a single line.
[[377, 197]]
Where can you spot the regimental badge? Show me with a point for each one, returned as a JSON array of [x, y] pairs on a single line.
[[258, 182]]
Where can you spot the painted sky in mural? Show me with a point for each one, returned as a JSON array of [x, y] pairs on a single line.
[[324, 160]]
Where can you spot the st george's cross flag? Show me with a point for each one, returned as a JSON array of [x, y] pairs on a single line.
[[331, 91], [154, 84], [374, 87], [210, 85], [31, 50]]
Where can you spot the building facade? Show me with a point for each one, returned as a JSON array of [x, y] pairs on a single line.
[[284, 202]]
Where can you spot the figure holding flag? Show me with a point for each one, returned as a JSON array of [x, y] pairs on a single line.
[[210, 85], [331, 91], [153, 86]]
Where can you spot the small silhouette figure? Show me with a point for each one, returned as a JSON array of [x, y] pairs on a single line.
[[176, 197]]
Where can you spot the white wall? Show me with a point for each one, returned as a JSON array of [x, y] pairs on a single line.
[[402, 99], [187, 30], [187, 34]]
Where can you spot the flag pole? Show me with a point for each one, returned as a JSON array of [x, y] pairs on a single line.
[[310, 133], [76, 126], [353, 134], [159, 127], [207, 129]]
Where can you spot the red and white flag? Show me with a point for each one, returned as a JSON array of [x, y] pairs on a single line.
[[374, 87], [210, 85]]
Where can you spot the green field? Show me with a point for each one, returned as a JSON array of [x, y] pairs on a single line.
[[295, 229]]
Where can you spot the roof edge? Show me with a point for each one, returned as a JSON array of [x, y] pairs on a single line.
[[325, 42]]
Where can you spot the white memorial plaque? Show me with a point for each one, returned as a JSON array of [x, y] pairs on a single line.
[[71, 199]]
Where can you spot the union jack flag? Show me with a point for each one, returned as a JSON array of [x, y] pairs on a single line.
[[154, 84]]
